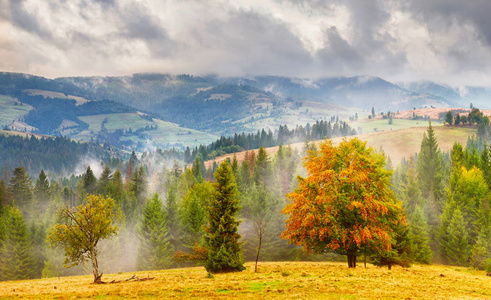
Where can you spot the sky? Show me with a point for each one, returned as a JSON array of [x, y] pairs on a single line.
[[446, 41]]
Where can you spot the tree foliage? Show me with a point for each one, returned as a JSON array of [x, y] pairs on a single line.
[[345, 203], [222, 238], [153, 252], [85, 226]]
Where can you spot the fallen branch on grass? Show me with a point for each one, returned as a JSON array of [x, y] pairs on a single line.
[[132, 278]]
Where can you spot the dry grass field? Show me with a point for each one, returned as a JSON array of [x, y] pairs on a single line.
[[275, 280]]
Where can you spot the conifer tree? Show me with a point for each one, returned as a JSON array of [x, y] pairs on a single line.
[[430, 173], [16, 259], [153, 252], [420, 238], [457, 248], [409, 191], [41, 190], [197, 171], [430, 169], [480, 252], [173, 220], [263, 172], [400, 252], [21, 189], [89, 182], [193, 212], [104, 181], [222, 238]]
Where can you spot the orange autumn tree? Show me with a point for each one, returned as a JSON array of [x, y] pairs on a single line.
[[345, 204]]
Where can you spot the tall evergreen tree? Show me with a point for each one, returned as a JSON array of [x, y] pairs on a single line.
[[420, 238], [153, 252], [173, 220], [41, 190], [21, 188], [430, 167], [222, 237], [400, 252], [263, 168], [430, 173], [457, 248], [16, 259], [104, 181], [197, 171], [89, 181]]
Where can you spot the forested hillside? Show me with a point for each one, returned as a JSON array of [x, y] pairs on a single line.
[[443, 195]]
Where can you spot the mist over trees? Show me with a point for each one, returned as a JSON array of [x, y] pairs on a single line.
[[165, 206]]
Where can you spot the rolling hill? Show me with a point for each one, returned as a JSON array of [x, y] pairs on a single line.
[[397, 144]]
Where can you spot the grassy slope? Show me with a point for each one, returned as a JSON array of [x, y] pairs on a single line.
[[397, 144], [9, 111], [166, 134], [284, 280]]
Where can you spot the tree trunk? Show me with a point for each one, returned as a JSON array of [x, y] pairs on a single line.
[[351, 259], [390, 267], [258, 250], [95, 269]]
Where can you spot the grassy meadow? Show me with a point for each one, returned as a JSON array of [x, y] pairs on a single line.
[[9, 111], [398, 144], [166, 134], [275, 280]]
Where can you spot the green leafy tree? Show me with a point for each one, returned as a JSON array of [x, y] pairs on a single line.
[[222, 237], [449, 117], [345, 204], [153, 252], [85, 226], [16, 257]]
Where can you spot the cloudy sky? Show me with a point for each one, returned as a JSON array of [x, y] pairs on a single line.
[[447, 41]]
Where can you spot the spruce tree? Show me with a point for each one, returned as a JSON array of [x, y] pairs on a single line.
[[420, 238], [41, 190], [430, 168], [89, 182], [153, 252], [458, 249], [400, 252], [21, 189], [104, 181], [222, 239], [173, 220], [16, 259], [479, 253]]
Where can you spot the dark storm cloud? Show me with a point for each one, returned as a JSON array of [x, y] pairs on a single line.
[[441, 14]]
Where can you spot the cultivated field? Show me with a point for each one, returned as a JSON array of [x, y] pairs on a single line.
[[398, 144], [275, 280]]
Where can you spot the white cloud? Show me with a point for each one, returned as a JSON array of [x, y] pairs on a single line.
[[415, 41]]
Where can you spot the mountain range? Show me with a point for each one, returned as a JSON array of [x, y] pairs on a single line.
[[185, 110]]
